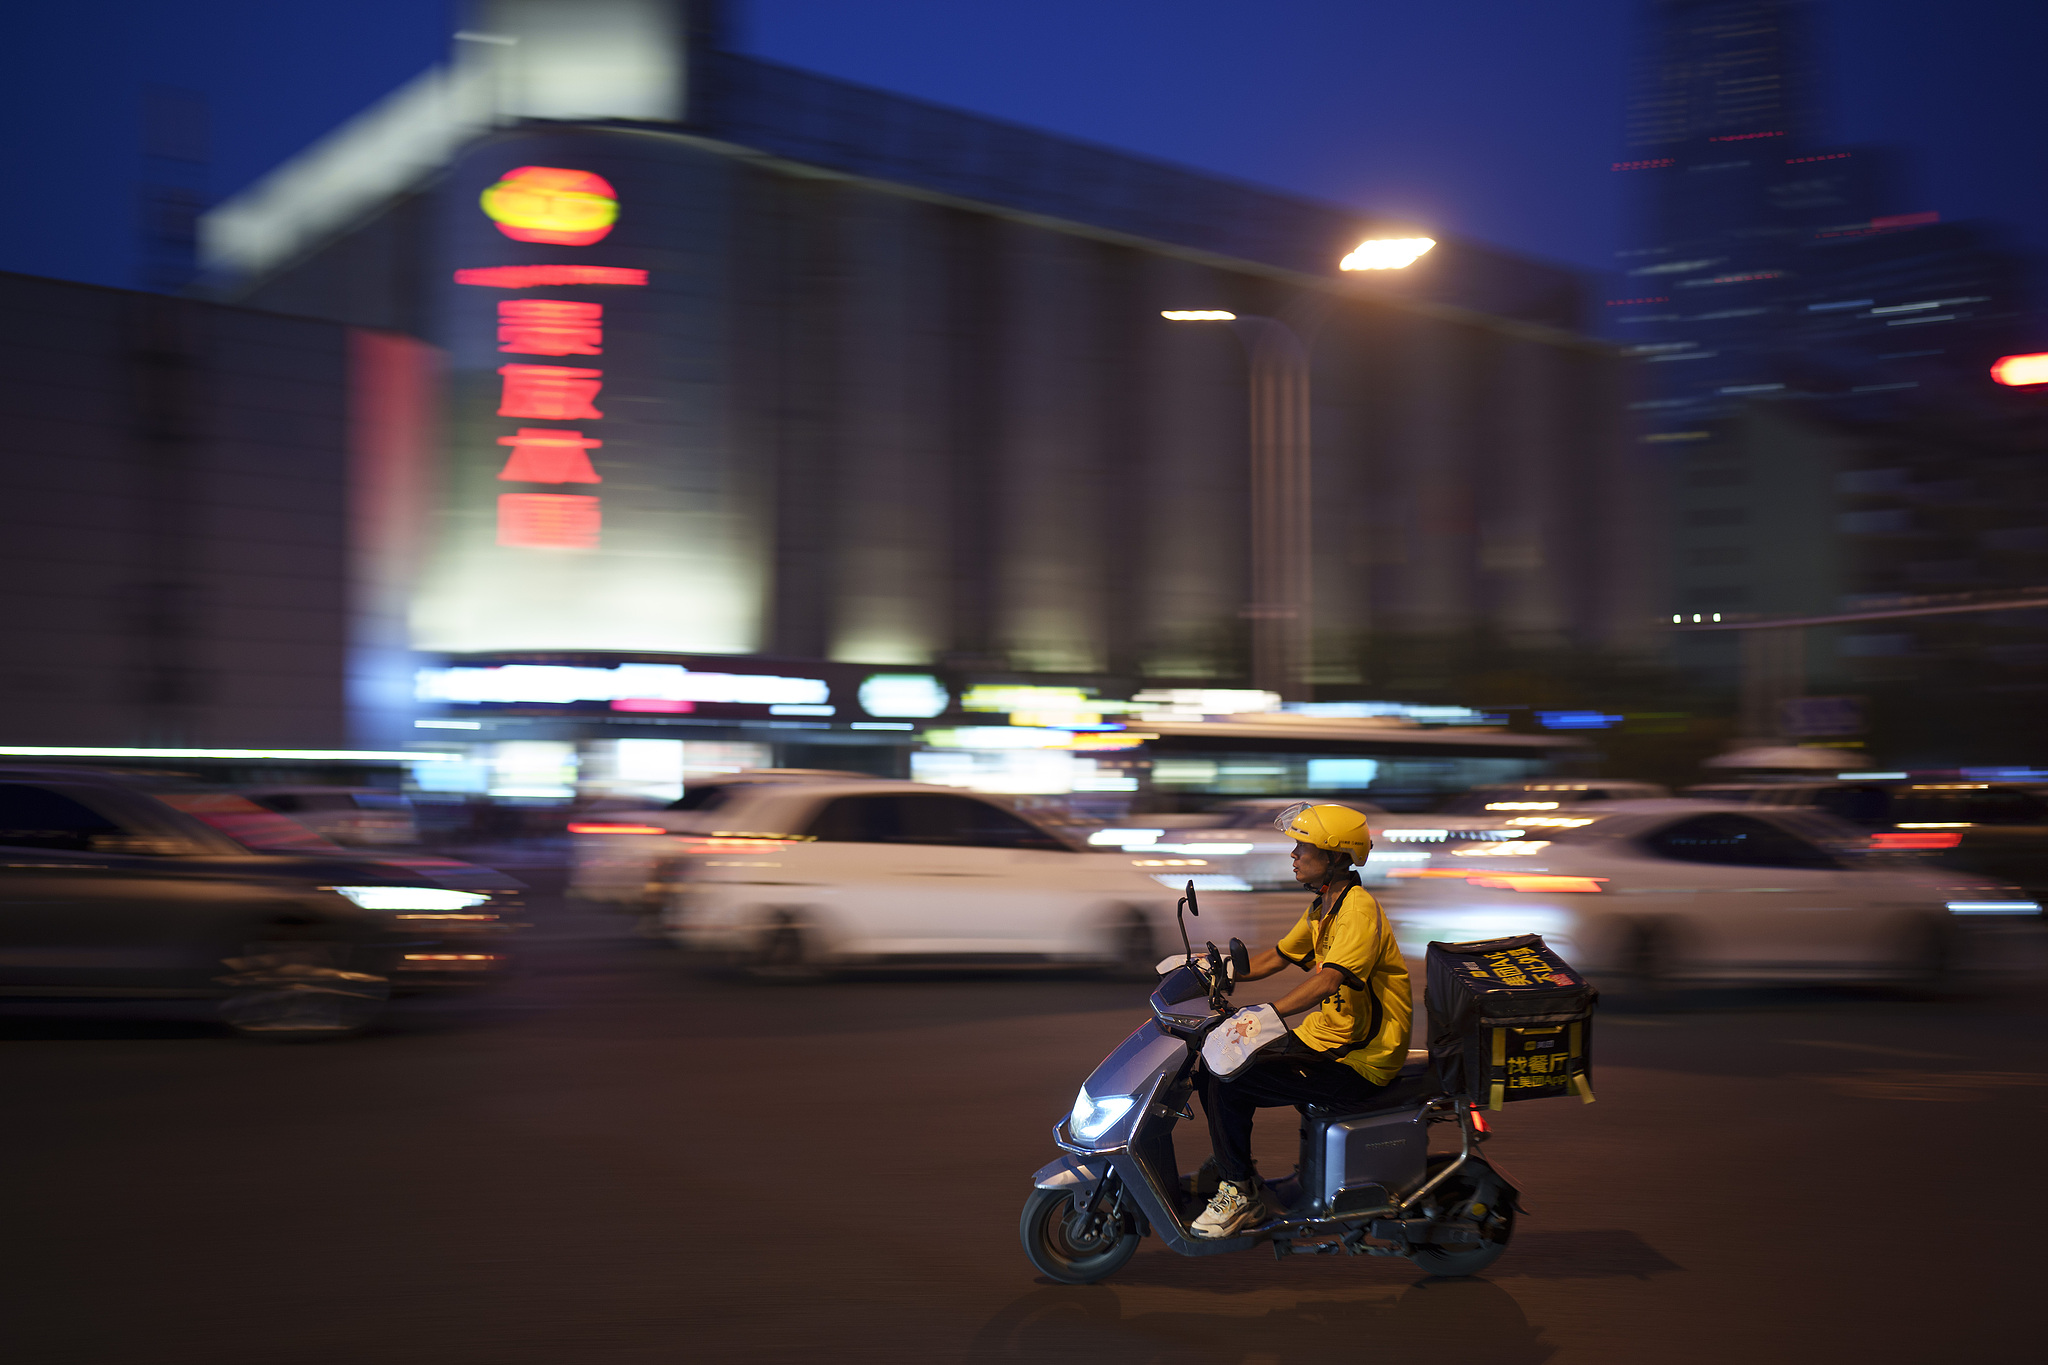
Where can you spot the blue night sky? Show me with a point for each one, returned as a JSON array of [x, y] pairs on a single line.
[[1494, 119]]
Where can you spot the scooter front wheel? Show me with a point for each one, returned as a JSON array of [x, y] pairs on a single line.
[[1071, 1245]]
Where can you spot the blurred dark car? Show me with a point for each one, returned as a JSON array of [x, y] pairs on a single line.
[[1998, 830], [366, 817], [117, 886]]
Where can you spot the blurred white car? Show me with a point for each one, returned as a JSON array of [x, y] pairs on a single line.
[[358, 816], [1672, 889], [800, 876]]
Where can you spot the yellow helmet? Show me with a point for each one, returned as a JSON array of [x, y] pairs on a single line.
[[1327, 827]]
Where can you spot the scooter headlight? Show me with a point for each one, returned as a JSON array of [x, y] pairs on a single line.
[[1093, 1117]]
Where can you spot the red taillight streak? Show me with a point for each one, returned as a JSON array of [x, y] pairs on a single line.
[[1506, 881], [1905, 839], [617, 829]]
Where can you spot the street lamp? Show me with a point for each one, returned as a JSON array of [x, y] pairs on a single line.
[[1282, 556], [1279, 607], [1389, 253]]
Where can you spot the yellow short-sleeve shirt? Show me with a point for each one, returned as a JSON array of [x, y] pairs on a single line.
[[1366, 1022]]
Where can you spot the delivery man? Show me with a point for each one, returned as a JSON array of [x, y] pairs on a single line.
[[1350, 1047]]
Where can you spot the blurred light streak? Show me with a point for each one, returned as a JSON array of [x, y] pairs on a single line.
[[2020, 370], [409, 897], [531, 276], [1396, 253], [1536, 882], [1911, 839], [1197, 315], [903, 694], [564, 683], [311, 755]]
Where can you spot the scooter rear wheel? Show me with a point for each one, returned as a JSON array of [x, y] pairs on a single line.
[[1471, 1258], [1058, 1241]]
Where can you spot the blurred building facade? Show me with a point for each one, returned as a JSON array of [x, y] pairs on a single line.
[[201, 521], [1817, 348], [844, 380], [1774, 266]]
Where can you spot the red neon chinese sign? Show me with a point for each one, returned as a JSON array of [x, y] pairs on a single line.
[[550, 327], [552, 204], [548, 521], [565, 207], [530, 276], [548, 455], [551, 393]]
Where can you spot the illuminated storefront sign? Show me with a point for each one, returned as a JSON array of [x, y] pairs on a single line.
[[551, 204], [903, 694], [626, 687], [549, 521], [550, 327], [563, 207], [590, 501], [550, 392], [545, 455]]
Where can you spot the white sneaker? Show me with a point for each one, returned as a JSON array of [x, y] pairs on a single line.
[[1236, 1205]]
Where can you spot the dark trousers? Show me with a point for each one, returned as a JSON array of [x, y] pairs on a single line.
[[1289, 1072]]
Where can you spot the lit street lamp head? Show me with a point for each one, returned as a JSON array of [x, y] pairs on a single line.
[[1197, 315], [1389, 254]]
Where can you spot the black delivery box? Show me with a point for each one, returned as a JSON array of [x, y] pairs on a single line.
[[1509, 1020]]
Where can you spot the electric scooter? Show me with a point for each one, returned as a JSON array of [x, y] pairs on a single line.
[[1367, 1184]]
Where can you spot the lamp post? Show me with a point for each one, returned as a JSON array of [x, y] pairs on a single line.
[[1282, 558]]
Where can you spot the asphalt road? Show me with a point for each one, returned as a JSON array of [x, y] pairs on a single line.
[[616, 1159]]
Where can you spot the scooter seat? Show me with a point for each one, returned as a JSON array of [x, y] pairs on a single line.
[[1416, 1083]]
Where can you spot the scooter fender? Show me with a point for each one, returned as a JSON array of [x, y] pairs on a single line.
[[1507, 1182], [1070, 1172]]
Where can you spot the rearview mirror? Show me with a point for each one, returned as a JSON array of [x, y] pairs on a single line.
[[1240, 960]]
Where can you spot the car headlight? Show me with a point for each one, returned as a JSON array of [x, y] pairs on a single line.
[[1092, 1117], [409, 897]]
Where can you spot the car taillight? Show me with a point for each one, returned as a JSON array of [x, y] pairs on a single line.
[[582, 828], [1505, 881], [1895, 840], [1534, 881]]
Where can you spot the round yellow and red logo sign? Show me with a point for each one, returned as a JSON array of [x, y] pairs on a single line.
[[550, 204]]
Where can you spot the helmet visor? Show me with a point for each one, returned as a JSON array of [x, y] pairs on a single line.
[[1286, 818]]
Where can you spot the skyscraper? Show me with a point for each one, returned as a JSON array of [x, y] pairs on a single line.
[[1771, 264], [1815, 343]]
